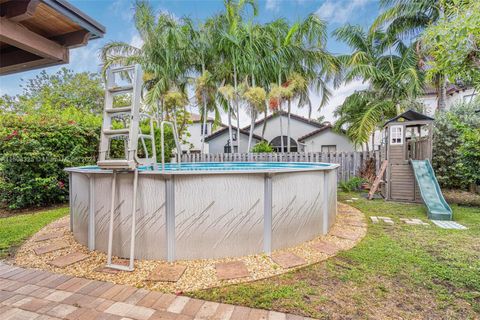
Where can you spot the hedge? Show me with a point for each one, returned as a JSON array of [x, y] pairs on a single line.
[[34, 152]]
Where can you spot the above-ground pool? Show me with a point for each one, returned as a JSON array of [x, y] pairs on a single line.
[[205, 210]]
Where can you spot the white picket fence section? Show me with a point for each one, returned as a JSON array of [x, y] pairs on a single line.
[[350, 162]]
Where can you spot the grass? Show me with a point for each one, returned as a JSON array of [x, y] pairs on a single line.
[[15, 229], [397, 271]]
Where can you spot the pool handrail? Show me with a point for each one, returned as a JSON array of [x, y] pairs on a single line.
[[162, 142]]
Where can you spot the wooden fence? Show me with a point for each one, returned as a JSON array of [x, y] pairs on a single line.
[[350, 162]]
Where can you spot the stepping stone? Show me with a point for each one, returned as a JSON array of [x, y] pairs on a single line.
[[287, 260], [50, 248], [231, 270], [449, 224], [325, 247], [105, 269], [346, 235], [386, 220], [417, 222], [169, 273], [63, 261], [48, 236]]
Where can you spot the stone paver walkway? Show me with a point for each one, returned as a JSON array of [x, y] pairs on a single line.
[[29, 294]]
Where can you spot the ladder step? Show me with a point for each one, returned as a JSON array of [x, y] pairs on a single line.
[[120, 69], [118, 110], [119, 267], [115, 132], [120, 89], [116, 164], [145, 136]]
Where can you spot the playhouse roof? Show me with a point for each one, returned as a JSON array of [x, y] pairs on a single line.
[[410, 115]]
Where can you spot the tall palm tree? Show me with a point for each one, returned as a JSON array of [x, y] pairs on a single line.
[[301, 51], [164, 57], [393, 78], [229, 44], [406, 19]]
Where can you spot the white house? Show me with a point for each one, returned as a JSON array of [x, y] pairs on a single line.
[[455, 95], [218, 142], [306, 135], [194, 134], [325, 139]]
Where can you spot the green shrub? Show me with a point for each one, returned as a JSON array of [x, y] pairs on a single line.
[[262, 147], [449, 161], [351, 185], [34, 151]]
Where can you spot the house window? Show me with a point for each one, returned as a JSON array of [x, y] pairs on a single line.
[[227, 148], [204, 129], [329, 148], [276, 144], [234, 136], [396, 135]]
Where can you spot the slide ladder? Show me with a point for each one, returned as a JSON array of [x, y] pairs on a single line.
[[438, 208], [130, 134]]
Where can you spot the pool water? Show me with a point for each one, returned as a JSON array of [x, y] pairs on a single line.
[[230, 166]]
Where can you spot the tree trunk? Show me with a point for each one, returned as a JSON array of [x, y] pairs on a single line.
[[288, 125], [237, 108], [442, 94], [373, 140], [204, 122], [250, 134], [265, 115], [281, 125], [230, 133]]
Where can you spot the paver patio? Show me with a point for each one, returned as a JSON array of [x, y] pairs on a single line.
[[22, 296]]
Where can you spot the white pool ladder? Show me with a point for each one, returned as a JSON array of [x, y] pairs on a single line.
[[130, 136]]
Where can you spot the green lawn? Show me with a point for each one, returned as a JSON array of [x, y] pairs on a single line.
[[398, 271], [15, 229]]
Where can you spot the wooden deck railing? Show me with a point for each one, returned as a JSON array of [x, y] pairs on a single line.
[[350, 162]]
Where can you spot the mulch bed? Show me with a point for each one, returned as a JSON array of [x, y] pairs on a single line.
[[194, 274]]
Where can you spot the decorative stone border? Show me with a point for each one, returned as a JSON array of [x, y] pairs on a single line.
[[71, 258]]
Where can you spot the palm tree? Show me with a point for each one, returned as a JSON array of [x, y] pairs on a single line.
[[300, 50], [393, 77], [406, 19], [229, 44], [164, 57]]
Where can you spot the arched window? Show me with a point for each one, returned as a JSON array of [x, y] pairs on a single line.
[[276, 144]]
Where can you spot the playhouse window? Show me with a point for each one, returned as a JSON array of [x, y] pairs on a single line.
[[396, 135]]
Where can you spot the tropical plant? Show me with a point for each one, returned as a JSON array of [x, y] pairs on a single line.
[[406, 20], [262, 147], [393, 77], [453, 43], [454, 149], [165, 57]]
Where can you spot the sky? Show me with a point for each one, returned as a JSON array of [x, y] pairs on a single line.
[[117, 15]]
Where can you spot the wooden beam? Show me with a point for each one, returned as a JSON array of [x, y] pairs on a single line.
[[73, 39], [16, 56], [34, 64], [20, 37], [19, 10]]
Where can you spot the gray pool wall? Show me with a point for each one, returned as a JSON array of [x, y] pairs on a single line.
[[195, 215]]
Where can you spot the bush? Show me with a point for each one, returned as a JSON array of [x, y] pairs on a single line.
[[35, 150], [262, 147], [351, 185], [451, 167]]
